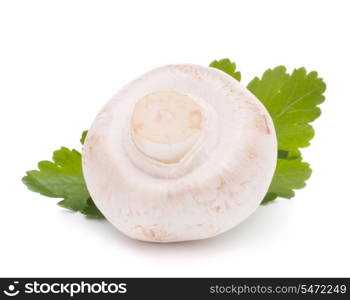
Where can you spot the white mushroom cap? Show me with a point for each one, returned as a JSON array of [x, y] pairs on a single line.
[[184, 152]]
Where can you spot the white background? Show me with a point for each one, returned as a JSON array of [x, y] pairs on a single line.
[[61, 60]]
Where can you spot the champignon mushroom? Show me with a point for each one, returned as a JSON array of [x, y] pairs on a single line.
[[184, 152]]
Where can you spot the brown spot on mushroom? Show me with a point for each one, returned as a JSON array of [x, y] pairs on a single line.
[[138, 127], [153, 235], [188, 70], [164, 115], [205, 202], [261, 123], [216, 209], [268, 131], [195, 119], [161, 235], [87, 154], [221, 185], [252, 106], [227, 205], [232, 195], [251, 154], [92, 139]]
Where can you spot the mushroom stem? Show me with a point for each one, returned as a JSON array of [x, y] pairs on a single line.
[[166, 125]]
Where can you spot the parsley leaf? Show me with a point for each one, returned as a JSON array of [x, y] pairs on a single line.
[[289, 174], [292, 103], [63, 178], [226, 66], [83, 137]]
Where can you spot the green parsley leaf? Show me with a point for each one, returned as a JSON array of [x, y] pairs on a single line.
[[226, 66], [289, 174], [292, 101], [83, 137], [63, 178]]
